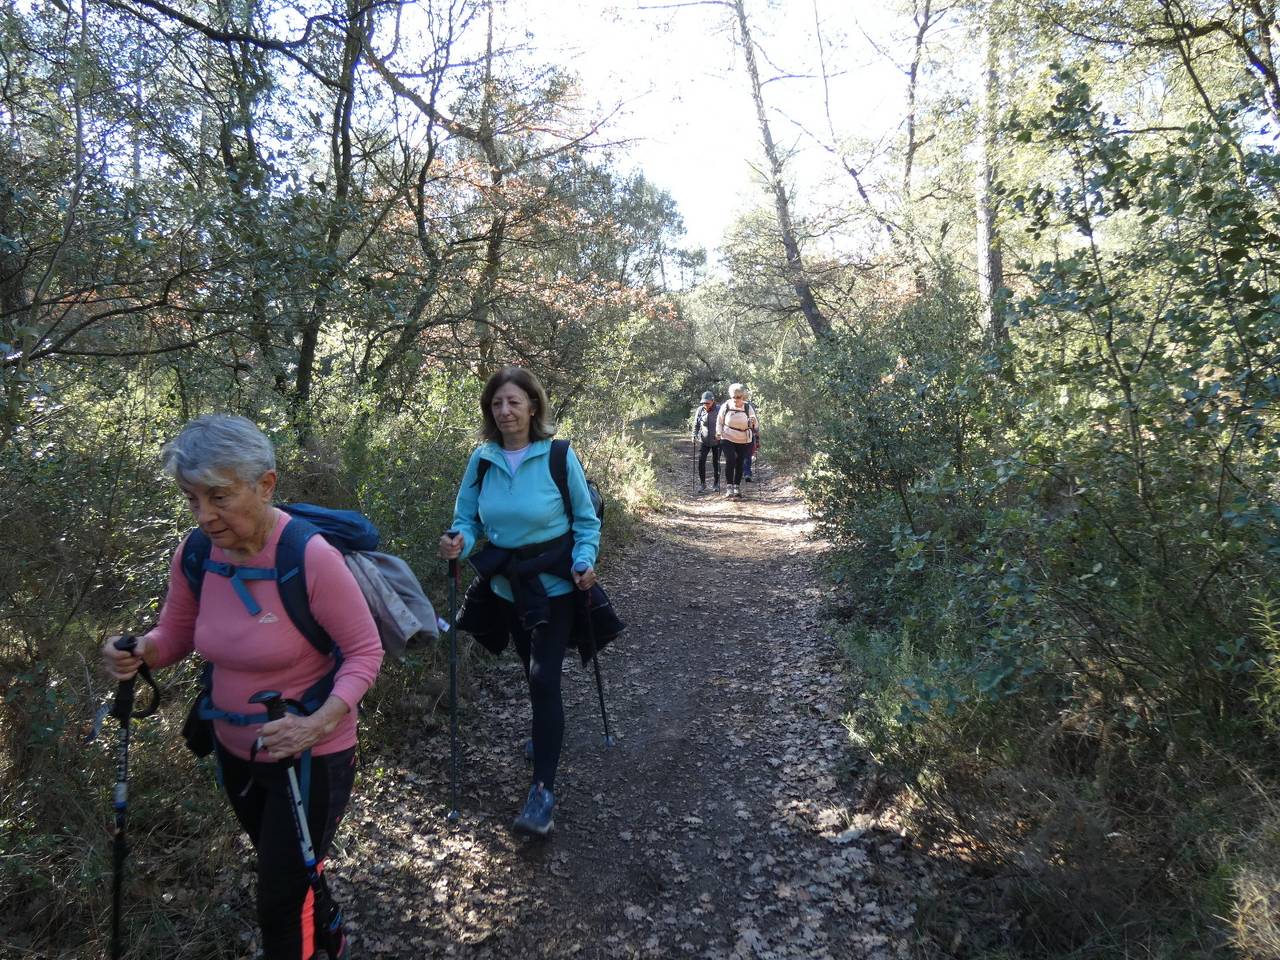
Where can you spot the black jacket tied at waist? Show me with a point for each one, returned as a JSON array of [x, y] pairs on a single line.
[[485, 615], [521, 566]]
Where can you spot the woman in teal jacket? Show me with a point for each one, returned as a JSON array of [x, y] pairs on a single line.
[[518, 508]]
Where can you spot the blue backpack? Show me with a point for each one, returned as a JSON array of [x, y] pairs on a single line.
[[345, 529]]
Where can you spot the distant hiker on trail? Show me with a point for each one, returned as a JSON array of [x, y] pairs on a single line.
[[508, 494], [704, 434], [735, 425], [755, 437], [226, 469]]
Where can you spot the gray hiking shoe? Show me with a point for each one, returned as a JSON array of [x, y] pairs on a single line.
[[537, 818]]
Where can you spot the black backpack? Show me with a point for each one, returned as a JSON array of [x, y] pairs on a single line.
[[704, 422], [559, 464]]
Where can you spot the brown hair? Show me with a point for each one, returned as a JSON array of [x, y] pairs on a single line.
[[541, 426]]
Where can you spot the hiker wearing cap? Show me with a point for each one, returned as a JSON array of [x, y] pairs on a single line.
[[755, 437], [704, 434], [226, 469], [515, 503], [734, 425]]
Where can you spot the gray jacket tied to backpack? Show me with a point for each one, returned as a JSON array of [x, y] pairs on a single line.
[[399, 607]]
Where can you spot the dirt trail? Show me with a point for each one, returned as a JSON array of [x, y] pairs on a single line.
[[719, 826]]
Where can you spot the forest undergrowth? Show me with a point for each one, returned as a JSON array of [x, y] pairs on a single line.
[[107, 574]]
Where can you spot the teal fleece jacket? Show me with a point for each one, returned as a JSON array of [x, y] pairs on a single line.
[[525, 508]]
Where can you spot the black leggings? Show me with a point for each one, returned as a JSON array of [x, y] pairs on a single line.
[[735, 457], [259, 794], [715, 461], [542, 653]]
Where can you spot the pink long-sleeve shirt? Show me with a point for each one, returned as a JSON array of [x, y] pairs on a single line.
[[265, 651]]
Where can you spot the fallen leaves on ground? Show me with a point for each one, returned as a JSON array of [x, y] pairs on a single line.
[[719, 826]]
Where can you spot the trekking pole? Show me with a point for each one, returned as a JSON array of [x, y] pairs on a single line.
[[122, 710], [581, 567], [326, 910], [454, 815]]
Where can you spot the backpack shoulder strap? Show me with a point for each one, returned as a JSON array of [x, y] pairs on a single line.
[[195, 551], [291, 581], [559, 464], [482, 468]]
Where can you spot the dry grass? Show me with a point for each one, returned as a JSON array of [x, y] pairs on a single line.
[[1255, 887]]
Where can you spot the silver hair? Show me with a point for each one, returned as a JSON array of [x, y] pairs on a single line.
[[215, 445], [736, 388]]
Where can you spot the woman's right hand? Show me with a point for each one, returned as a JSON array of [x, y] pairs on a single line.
[[451, 546], [121, 664]]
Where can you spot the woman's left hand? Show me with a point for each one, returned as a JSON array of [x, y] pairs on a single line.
[[290, 736], [586, 579]]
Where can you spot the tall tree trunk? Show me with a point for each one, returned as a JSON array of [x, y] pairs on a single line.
[[241, 80], [482, 297], [135, 127], [819, 324], [339, 214], [990, 261], [923, 22]]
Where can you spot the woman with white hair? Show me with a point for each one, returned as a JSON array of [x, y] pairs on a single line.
[[735, 426], [232, 613]]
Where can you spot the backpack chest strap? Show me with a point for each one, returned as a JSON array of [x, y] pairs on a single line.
[[238, 576]]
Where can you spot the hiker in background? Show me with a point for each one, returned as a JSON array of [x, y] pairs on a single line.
[[226, 469], [734, 426], [704, 434], [515, 503], [755, 437]]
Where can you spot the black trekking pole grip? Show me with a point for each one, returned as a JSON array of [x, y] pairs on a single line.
[[453, 564], [129, 644], [454, 813], [122, 709], [273, 700]]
